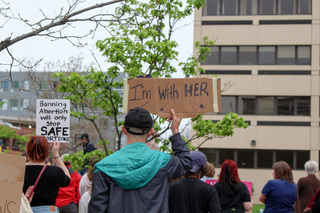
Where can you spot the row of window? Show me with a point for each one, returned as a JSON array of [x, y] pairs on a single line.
[[14, 104], [256, 7], [15, 85], [264, 55], [23, 85], [266, 105], [262, 159]]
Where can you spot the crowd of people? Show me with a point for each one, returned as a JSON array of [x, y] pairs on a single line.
[[139, 179]]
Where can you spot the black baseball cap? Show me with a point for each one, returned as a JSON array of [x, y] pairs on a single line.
[[138, 121], [84, 136]]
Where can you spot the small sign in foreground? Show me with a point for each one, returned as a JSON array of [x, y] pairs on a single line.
[[187, 96], [53, 119], [12, 169]]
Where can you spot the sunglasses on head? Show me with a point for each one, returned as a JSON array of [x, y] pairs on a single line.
[[38, 146]]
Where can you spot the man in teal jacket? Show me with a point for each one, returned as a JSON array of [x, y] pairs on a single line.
[[135, 178]]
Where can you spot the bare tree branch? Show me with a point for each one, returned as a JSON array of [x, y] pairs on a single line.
[[55, 22]]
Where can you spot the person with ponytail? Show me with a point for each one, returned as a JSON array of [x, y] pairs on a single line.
[[51, 178], [234, 195]]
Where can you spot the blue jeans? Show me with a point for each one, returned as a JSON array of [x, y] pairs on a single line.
[[44, 209]]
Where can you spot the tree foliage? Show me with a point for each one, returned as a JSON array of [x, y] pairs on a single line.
[[140, 42], [6, 133]]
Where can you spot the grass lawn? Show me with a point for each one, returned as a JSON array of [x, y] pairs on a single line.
[[256, 208]]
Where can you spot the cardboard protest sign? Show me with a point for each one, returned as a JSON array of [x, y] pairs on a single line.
[[53, 119], [187, 96], [248, 184], [12, 169]]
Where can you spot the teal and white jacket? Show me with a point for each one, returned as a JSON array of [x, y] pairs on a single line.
[[135, 178]]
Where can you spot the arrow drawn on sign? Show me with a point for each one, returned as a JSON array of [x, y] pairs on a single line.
[[145, 104], [164, 106], [201, 106]]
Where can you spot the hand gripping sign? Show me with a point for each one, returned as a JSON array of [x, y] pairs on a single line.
[[187, 96]]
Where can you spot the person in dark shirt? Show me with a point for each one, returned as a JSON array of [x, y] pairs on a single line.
[[87, 147], [87, 144], [234, 195], [307, 186], [53, 177], [190, 194]]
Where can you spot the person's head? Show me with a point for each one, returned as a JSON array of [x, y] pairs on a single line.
[[229, 172], [282, 171], [199, 160], [38, 148], [209, 170], [63, 157], [84, 138], [138, 123], [92, 163], [311, 167]]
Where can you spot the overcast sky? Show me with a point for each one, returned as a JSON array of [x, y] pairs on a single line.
[[39, 47]]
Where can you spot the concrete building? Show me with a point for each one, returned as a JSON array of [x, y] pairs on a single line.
[[269, 51], [19, 97]]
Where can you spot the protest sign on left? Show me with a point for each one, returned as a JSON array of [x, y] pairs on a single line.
[[12, 169], [53, 119]]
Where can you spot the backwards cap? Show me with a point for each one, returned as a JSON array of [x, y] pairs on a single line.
[[138, 121]]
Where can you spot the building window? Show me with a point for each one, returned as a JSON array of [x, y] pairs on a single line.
[[303, 55], [286, 7], [301, 158], [213, 57], [250, 7], [229, 7], [267, 55], [16, 85], [25, 104], [44, 85], [286, 55], [248, 105], [228, 104], [286, 156], [5, 85], [25, 85], [264, 55], [14, 104], [245, 158], [267, 7], [247, 55], [265, 158], [266, 105], [303, 106], [225, 154], [211, 8], [304, 6], [228, 55], [285, 106]]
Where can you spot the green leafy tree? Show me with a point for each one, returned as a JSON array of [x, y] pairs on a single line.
[[6, 133], [140, 42]]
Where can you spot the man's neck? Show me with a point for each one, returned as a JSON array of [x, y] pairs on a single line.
[[136, 138]]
